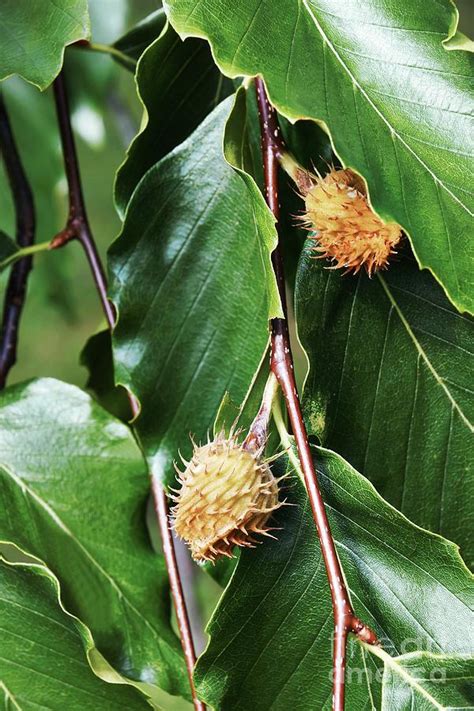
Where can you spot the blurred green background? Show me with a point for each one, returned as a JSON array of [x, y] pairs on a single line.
[[62, 309]]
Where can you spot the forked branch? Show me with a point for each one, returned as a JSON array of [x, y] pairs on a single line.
[[281, 364], [25, 233], [77, 224], [77, 227]]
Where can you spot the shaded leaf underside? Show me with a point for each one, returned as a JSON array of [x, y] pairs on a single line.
[[179, 85]]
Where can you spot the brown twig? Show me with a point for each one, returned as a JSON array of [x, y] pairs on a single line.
[[25, 233], [77, 227], [281, 364], [161, 508]]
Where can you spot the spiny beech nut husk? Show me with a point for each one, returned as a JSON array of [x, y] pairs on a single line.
[[227, 494], [343, 225]]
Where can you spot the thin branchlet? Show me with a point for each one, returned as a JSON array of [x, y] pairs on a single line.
[[77, 224]]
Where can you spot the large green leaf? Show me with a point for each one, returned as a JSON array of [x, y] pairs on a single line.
[[73, 491], [271, 635], [427, 682], [43, 663], [179, 85], [33, 36], [390, 386], [134, 42], [192, 285], [396, 102]]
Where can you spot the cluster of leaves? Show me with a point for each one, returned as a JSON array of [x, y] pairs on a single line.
[[86, 620]]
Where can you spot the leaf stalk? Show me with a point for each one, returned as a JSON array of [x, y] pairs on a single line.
[[257, 436], [24, 252], [112, 52]]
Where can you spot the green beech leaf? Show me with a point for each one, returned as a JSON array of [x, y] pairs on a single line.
[[43, 663], [33, 36], [396, 102], [73, 491], [190, 279], [238, 135], [179, 85], [389, 387], [427, 682], [134, 42], [271, 634], [459, 41]]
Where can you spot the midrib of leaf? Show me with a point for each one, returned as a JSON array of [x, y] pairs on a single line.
[[9, 696], [392, 130], [403, 674], [369, 688], [58, 521], [440, 382]]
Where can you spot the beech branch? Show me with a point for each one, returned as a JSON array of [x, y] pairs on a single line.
[[281, 364], [77, 227], [77, 224], [25, 232]]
